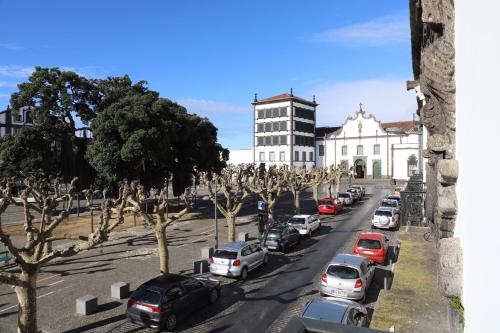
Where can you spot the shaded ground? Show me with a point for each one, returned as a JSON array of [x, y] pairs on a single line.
[[413, 304]]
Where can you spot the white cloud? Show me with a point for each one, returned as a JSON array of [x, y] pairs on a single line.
[[207, 107], [11, 46], [15, 71], [387, 99], [8, 84], [379, 31]]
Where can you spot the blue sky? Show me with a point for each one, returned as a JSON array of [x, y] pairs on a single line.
[[212, 56]]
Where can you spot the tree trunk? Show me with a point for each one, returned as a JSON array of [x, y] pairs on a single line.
[[231, 228], [315, 193], [337, 186], [296, 196], [161, 238], [330, 189], [26, 296]]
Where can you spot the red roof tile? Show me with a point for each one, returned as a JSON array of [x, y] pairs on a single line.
[[284, 97], [404, 125]]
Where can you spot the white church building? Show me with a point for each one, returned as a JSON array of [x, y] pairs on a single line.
[[285, 132]]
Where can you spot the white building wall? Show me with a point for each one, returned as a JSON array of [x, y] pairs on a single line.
[[239, 156]]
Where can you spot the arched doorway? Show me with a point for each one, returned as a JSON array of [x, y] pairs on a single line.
[[377, 170], [412, 164], [359, 169]]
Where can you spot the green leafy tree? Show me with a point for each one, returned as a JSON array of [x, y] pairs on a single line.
[[31, 151]]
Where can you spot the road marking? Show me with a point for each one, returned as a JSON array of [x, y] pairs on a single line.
[[48, 277], [45, 294], [10, 307], [53, 283], [38, 297], [198, 239]]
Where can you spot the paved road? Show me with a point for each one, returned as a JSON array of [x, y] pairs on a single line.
[[271, 293]]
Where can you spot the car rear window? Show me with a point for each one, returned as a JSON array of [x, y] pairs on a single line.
[[147, 296], [389, 203], [383, 213], [224, 254], [369, 244], [343, 272], [343, 195], [274, 234], [325, 202], [296, 220]]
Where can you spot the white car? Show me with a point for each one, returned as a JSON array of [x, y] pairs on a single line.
[[236, 259], [305, 224], [346, 198], [385, 218], [361, 188]]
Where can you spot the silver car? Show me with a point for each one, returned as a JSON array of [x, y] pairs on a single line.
[[337, 310], [360, 188], [347, 276], [305, 224], [346, 198], [237, 259]]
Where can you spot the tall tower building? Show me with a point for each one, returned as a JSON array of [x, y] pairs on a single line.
[[284, 127]]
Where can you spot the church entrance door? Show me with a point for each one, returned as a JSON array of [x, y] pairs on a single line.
[[377, 170], [359, 167]]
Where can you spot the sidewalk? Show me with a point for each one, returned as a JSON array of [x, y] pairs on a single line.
[[413, 303]]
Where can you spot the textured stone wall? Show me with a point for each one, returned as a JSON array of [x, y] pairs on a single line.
[[433, 53]]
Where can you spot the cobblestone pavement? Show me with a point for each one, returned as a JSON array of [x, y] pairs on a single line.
[[131, 256]]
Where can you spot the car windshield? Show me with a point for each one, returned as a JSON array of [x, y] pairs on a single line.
[[274, 234], [389, 203], [147, 296], [225, 254], [383, 213], [343, 195], [369, 243], [297, 220], [343, 272]]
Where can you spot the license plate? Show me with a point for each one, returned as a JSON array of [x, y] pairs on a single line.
[[141, 307], [338, 292], [272, 247], [368, 252]]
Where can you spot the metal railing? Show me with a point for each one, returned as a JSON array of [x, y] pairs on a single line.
[[413, 202]]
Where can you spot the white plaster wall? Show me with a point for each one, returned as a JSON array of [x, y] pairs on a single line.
[[477, 116], [239, 156]]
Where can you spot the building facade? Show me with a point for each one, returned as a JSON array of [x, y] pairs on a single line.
[[11, 121], [284, 131], [373, 150]]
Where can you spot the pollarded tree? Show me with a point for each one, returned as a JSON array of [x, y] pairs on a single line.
[[268, 184], [232, 181], [317, 177], [36, 250], [335, 175], [133, 196], [297, 181]]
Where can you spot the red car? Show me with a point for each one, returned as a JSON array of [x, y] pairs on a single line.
[[329, 206], [372, 245]]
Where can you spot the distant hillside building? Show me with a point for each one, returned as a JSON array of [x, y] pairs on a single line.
[[284, 130]]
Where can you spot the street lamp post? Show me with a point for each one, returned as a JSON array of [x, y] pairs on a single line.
[[215, 214]]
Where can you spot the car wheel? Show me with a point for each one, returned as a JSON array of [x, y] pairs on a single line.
[[244, 273], [171, 322], [284, 249], [214, 296], [266, 259], [309, 233]]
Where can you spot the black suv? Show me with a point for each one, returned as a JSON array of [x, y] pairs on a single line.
[[281, 238]]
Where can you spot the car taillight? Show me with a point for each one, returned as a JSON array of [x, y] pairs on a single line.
[[323, 277], [355, 250], [358, 284], [236, 262], [130, 303], [153, 308], [211, 260]]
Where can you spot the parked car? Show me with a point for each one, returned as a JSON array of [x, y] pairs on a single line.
[[330, 206], [305, 224], [361, 188], [390, 203], [372, 245], [161, 302], [394, 197], [335, 310], [281, 238], [356, 194], [236, 259], [385, 218], [347, 276], [346, 198]]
